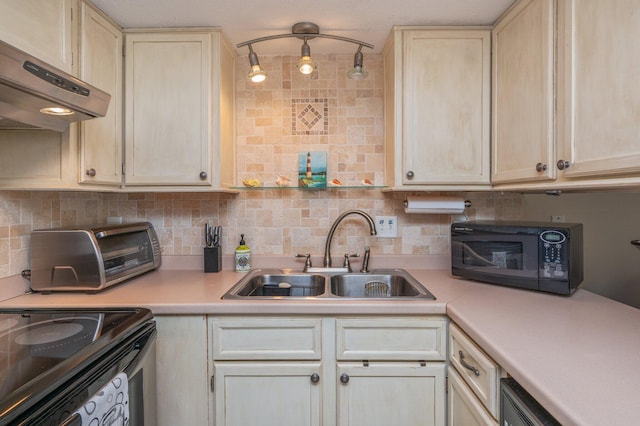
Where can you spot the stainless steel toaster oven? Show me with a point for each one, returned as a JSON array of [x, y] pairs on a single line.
[[91, 259]]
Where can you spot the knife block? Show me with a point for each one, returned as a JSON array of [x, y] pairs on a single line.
[[212, 259]]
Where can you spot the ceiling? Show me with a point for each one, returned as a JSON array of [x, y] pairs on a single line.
[[366, 20]]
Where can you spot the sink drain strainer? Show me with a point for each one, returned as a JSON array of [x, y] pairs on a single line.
[[376, 289]]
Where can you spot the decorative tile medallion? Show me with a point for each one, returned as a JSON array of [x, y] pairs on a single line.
[[310, 116]]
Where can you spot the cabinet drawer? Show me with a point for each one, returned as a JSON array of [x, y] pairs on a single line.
[[420, 339], [266, 338], [479, 371], [464, 408]]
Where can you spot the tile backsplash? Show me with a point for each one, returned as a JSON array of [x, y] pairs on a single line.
[[274, 222], [288, 114]]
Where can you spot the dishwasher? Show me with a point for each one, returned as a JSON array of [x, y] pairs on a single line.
[[519, 408]]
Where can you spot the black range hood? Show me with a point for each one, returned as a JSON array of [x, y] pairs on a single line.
[[39, 95]]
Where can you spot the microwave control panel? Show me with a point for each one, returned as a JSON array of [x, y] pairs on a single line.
[[553, 255]]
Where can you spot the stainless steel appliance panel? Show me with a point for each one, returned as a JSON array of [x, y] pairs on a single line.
[[90, 259]]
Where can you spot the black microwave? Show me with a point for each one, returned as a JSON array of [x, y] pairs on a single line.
[[540, 256]]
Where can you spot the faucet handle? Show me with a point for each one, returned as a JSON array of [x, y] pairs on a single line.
[[365, 261], [347, 264], [307, 263]]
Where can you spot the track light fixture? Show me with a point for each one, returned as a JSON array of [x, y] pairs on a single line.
[[257, 74], [305, 31], [306, 65], [357, 73]]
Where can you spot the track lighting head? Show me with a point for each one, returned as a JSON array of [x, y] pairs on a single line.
[[257, 74], [306, 65], [357, 72]]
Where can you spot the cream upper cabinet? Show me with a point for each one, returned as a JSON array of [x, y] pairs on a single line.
[[179, 109], [43, 29], [523, 93], [100, 64], [599, 100], [38, 159], [437, 108]]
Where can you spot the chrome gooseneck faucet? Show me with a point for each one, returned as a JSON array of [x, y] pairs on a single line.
[[327, 246]]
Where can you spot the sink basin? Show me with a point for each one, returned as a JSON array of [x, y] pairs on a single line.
[[276, 284], [379, 284]]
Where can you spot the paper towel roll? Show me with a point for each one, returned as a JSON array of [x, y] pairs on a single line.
[[435, 205]]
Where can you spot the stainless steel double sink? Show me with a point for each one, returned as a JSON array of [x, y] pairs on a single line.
[[281, 284]]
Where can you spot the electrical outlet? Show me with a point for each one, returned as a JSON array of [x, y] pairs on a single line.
[[557, 218], [387, 226], [114, 220]]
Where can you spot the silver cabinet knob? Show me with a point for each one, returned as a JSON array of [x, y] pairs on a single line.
[[203, 175], [315, 378], [541, 167], [344, 378], [90, 172], [410, 174], [563, 164]]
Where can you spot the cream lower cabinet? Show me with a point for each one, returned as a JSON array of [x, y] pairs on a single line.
[[390, 393], [437, 108], [464, 409], [268, 393], [267, 371], [473, 383], [329, 371], [390, 371], [182, 366]]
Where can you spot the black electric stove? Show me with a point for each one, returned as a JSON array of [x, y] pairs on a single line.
[[51, 360]]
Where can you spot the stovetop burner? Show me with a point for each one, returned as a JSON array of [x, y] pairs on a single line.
[[50, 333]]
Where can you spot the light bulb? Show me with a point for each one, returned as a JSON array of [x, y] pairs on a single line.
[[257, 74], [56, 111], [306, 65]]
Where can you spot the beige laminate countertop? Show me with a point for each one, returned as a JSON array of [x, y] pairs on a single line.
[[578, 356]]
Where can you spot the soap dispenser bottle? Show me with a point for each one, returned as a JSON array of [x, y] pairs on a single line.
[[242, 257]]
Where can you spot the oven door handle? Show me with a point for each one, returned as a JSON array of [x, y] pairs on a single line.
[[74, 420], [143, 346]]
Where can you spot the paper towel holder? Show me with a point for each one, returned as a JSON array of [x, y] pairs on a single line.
[[467, 203], [436, 205]]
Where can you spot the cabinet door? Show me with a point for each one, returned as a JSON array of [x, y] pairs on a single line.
[[600, 96], [41, 28], [182, 370], [446, 107], [390, 393], [168, 108], [101, 65], [464, 408], [268, 394], [523, 139]]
